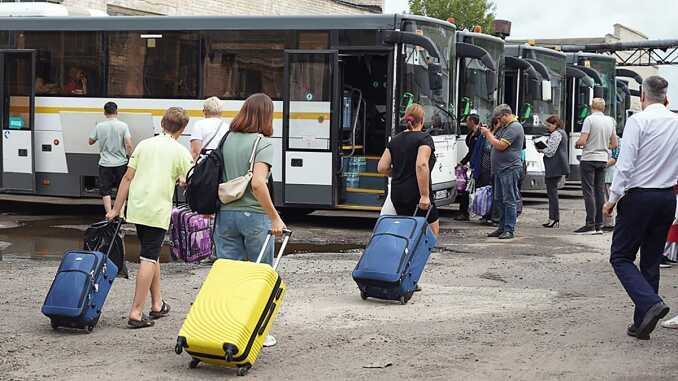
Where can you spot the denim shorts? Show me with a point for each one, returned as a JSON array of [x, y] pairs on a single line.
[[240, 235]]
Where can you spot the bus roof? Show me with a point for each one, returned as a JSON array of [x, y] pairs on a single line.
[[515, 49], [195, 23], [465, 33]]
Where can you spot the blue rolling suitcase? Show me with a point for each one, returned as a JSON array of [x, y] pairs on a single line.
[[394, 258], [80, 288]]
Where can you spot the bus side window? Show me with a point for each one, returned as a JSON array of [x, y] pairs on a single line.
[[153, 65], [68, 63]]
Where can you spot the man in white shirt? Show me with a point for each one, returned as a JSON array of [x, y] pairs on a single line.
[[207, 133], [597, 137], [642, 190]]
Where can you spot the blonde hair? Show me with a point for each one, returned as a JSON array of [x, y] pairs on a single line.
[[174, 120], [598, 104], [212, 106], [414, 115]]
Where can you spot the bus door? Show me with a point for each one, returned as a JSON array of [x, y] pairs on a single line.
[[17, 94], [309, 127]]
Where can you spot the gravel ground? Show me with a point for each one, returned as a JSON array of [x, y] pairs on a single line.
[[545, 306]]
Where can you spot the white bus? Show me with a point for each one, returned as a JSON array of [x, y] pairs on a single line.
[[340, 85], [534, 86], [479, 79], [599, 82]]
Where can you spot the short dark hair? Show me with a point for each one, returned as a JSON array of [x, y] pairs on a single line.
[[255, 116], [174, 120], [655, 88], [474, 118], [110, 108]]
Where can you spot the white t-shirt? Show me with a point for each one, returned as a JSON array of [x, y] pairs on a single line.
[[204, 130]]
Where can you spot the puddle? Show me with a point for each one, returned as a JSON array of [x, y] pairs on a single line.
[[50, 237]]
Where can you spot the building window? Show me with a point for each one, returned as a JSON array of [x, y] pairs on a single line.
[[239, 64], [154, 65], [68, 63]]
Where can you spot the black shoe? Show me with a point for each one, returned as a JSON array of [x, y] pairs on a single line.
[[463, 217], [585, 230], [495, 233], [608, 228], [506, 235], [631, 331], [552, 224], [650, 320]]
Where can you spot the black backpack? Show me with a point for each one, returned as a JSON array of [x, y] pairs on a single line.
[[202, 181]]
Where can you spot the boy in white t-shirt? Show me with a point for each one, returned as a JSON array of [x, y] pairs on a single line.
[[207, 133]]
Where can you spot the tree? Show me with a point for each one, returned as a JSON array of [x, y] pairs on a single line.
[[466, 13]]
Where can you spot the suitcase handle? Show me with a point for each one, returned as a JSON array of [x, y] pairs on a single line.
[[119, 222], [286, 237], [428, 211]]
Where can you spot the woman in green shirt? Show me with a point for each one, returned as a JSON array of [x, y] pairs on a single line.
[[242, 225]]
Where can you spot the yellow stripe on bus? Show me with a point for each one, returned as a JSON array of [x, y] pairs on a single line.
[[319, 116]]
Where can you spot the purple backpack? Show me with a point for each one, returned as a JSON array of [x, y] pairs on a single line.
[[482, 201], [190, 235]]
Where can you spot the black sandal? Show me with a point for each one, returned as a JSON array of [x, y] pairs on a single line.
[[164, 311], [145, 322]]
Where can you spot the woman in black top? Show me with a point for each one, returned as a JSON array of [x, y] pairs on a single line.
[[556, 164], [408, 159]]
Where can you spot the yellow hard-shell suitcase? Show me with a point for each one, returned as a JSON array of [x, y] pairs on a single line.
[[233, 312]]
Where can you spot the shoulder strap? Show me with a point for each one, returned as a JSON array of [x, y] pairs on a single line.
[[215, 133], [254, 151]]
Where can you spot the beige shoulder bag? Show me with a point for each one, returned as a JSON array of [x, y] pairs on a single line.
[[233, 190]]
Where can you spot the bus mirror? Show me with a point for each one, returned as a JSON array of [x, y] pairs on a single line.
[[599, 92], [435, 76], [546, 91], [526, 112], [465, 107]]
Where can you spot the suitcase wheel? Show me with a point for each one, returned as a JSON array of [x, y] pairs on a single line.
[[243, 370], [194, 363], [405, 298], [363, 295], [89, 328], [54, 325]]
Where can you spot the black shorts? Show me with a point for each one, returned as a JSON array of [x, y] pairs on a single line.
[[110, 177], [408, 208], [151, 239]]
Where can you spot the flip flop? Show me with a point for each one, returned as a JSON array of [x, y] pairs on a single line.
[[145, 322], [164, 311]]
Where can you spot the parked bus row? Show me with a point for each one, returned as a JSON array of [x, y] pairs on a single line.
[[340, 86]]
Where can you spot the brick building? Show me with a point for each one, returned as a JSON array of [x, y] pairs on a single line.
[[220, 7]]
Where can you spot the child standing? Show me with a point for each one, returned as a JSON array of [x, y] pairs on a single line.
[[153, 171]]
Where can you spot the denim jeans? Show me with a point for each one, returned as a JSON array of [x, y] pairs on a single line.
[[593, 189], [507, 194], [240, 236]]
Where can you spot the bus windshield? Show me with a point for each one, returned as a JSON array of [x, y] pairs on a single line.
[[416, 81], [474, 94], [534, 110], [606, 68]]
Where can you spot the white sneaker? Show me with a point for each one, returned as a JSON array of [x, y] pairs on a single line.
[[270, 341], [671, 323]]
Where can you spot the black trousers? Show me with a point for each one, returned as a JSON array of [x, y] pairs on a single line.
[[643, 221], [593, 189], [552, 192]]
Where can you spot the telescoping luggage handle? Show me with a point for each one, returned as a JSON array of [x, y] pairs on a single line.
[[428, 211], [286, 237], [118, 222]]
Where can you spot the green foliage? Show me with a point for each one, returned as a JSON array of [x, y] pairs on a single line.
[[467, 13]]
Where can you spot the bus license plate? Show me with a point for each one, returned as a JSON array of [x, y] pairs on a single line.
[[441, 194]]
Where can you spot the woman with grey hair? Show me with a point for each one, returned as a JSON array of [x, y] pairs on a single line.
[[207, 133]]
